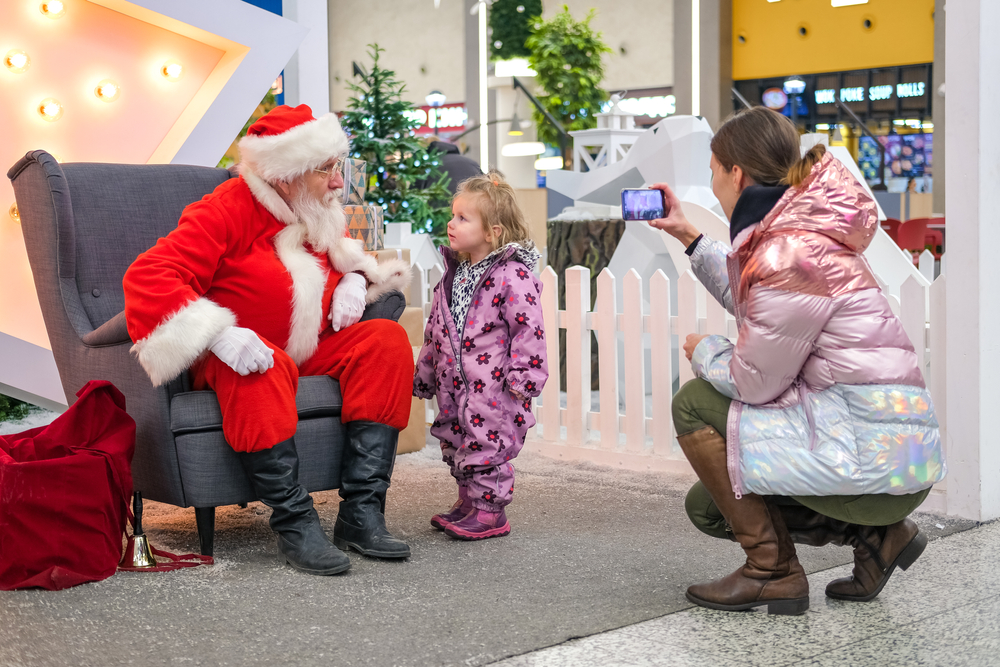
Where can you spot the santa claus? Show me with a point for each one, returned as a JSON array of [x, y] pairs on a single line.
[[259, 285]]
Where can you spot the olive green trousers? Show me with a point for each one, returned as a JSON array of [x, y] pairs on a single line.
[[698, 405]]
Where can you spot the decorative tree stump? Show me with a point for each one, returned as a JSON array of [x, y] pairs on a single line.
[[589, 243]]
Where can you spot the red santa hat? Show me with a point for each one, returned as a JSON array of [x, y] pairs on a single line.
[[287, 142]]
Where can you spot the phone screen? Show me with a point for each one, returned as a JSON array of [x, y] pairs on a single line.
[[642, 204]]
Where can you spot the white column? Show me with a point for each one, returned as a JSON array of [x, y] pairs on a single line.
[[973, 171], [703, 58], [307, 74]]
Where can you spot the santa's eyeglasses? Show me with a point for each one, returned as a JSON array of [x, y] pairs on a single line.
[[330, 171]]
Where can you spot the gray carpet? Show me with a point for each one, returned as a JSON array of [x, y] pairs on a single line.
[[592, 549]]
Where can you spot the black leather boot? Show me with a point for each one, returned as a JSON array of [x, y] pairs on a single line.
[[302, 543], [366, 466]]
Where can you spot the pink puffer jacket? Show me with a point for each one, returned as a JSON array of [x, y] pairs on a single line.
[[828, 397]]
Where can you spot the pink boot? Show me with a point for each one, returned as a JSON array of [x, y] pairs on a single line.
[[479, 525], [457, 511]]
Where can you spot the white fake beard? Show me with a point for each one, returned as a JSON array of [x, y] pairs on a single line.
[[323, 219]]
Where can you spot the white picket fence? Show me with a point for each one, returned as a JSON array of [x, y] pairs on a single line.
[[578, 433], [630, 438]]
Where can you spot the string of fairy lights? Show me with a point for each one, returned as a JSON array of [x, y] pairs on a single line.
[[51, 109]]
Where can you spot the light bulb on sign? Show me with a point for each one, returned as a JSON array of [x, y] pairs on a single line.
[[15, 215], [107, 90], [172, 70], [54, 9], [50, 109], [17, 61]]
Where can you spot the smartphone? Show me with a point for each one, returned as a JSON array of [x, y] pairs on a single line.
[[642, 204]]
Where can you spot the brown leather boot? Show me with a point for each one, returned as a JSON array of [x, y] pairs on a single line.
[[878, 550], [772, 575]]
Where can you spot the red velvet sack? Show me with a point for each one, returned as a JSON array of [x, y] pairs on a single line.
[[64, 491]]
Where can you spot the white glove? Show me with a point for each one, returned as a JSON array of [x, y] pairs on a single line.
[[242, 350], [348, 301]]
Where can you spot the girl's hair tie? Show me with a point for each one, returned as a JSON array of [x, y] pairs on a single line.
[[496, 183]]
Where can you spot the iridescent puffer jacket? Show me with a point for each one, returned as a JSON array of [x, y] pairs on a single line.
[[828, 397]]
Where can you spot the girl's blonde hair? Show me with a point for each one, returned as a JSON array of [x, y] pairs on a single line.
[[497, 205]]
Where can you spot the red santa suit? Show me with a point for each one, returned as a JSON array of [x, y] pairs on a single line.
[[239, 257]]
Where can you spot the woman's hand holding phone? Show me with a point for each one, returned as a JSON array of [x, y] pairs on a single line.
[[674, 223], [691, 343]]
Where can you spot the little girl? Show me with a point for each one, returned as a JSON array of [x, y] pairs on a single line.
[[483, 353]]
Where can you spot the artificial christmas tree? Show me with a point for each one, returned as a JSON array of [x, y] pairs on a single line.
[[382, 135]]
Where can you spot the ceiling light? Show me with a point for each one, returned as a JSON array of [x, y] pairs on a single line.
[[847, 3], [549, 163], [435, 98], [515, 127], [50, 109], [523, 148], [17, 61], [54, 9], [172, 70], [513, 67], [107, 90], [794, 85]]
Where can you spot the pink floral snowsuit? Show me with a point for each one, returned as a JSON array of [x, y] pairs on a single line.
[[481, 424]]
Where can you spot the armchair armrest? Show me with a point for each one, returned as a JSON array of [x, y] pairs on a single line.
[[389, 306], [112, 332]]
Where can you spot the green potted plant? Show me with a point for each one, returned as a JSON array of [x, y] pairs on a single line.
[[566, 54]]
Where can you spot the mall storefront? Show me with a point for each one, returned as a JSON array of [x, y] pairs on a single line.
[[893, 103]]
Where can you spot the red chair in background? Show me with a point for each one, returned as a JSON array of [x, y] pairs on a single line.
[[934, 236], [891, 227], [912, 236]]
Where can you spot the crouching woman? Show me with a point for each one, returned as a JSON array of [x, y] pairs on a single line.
[[816, 427]]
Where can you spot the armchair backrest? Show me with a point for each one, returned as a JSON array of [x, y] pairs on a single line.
[[103, 216]]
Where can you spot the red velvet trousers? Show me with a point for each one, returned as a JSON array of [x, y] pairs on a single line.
[[372, 360]]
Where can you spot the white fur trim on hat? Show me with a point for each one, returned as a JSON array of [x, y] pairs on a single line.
[[285, 156], [177, 343]]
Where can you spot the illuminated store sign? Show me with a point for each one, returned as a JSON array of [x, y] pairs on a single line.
[[875, 93], [654, 106], [910, 89], [658, 106], [853, 94], [446, 118], [825, 96], [648, 105], [880, 92]]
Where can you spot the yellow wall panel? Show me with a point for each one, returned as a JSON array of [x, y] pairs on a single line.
[[900, 32]]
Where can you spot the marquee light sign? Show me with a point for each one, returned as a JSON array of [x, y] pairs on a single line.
[[129, 81]]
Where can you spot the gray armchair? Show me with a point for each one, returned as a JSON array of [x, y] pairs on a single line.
[[83, 226]]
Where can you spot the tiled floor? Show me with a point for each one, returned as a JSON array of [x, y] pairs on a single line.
[[945, 610]]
